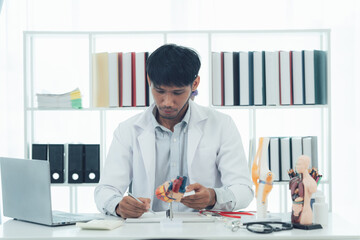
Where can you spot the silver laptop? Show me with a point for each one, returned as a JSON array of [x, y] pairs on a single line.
[[27, 196]]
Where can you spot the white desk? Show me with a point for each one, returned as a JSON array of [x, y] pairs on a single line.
[[12, 229]]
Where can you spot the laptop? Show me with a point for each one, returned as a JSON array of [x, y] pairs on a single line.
[[26, 193]]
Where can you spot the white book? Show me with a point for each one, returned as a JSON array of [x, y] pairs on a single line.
[[285, 157], [228, 79], [285, 79], [297, 77], [113, 80], [244, 78], [272, 78], [309, 73], [296, 150], [216, 78], [140, 79], [258, 79], [126, 79], [100, 80], [274, 158], [309, 145]]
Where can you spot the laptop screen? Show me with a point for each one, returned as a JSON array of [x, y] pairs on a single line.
[[26, 189]]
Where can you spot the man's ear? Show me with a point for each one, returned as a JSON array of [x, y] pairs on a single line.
[[195, 83]]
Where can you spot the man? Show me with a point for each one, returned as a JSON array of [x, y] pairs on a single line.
[[174, 137]]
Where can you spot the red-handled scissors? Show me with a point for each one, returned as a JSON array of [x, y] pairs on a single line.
[[225, 214]]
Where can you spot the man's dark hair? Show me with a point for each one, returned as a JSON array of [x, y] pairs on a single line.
[[173, 65]]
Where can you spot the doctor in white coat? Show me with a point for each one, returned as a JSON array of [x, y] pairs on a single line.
[[174, 136]]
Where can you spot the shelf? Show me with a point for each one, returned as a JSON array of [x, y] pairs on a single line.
[[74, 184], [273, 107], [86, 109]]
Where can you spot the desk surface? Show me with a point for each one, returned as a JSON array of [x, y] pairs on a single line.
[[12, 229]]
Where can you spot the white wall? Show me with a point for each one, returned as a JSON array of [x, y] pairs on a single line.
[[341, 16]]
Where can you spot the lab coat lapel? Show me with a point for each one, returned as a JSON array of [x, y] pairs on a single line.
[[147, 148], [195, 133]]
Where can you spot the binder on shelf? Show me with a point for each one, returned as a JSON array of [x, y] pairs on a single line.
[[148, 97], [75, 163], [272, 78], [92, 163], [39, 151], [244, 78], [274, 158], [315, 77], [126, 80], [285, 156], [286, 97], [228, 79], [113, 80], [310, 149], [296, 150], [298, 77], [216, 79], [100, 80], [259, 78], [56, 159]]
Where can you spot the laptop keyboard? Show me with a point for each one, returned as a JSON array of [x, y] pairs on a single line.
[[68, 217]]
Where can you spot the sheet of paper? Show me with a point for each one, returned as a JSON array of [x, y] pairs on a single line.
[[184, 216]]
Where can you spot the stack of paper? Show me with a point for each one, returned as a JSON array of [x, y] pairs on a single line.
[[66, 100]]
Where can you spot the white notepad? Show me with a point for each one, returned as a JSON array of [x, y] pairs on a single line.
[[100, 224], [186, 217]]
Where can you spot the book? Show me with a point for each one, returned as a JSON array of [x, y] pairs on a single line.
[[126, 77], [113, 80], [285, 158], [251, 78], [228, 79], [274, 158], [64, 100], [320, 74], [259, 78], [120, 78], [140, 78], [100, 80], [236, 78], [272, 78], [244, 78], [285, 78], [310, 149], [315, 71], [216, 79], [296, 150], [297, 77]]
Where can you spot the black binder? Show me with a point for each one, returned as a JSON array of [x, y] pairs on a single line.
[[92, 163], [76, 163], [39, 151], [56, 159]]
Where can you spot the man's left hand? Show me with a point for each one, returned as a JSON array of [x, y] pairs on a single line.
[[203, 197]]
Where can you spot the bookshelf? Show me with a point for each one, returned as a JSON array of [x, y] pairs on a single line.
[[45, 51]]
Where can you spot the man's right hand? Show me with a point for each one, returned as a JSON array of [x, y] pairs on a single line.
[[130, 208]]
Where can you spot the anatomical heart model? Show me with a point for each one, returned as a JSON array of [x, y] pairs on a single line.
[[172, 190]]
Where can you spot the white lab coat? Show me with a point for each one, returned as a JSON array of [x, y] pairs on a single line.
[[215, 158]]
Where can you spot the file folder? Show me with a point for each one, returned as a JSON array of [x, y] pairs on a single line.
[[56, 159], [75, 169], [92, 163]]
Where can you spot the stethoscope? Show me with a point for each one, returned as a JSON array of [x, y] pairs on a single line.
[[262, 227]]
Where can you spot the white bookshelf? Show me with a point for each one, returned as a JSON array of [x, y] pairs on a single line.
[[83, 44]]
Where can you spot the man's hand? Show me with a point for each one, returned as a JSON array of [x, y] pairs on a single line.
[[130, 208], [203, 197]]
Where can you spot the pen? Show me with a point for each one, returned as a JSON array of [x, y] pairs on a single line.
[[131, 195]]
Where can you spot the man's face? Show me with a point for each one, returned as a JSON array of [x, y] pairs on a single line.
[[170, 101]]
